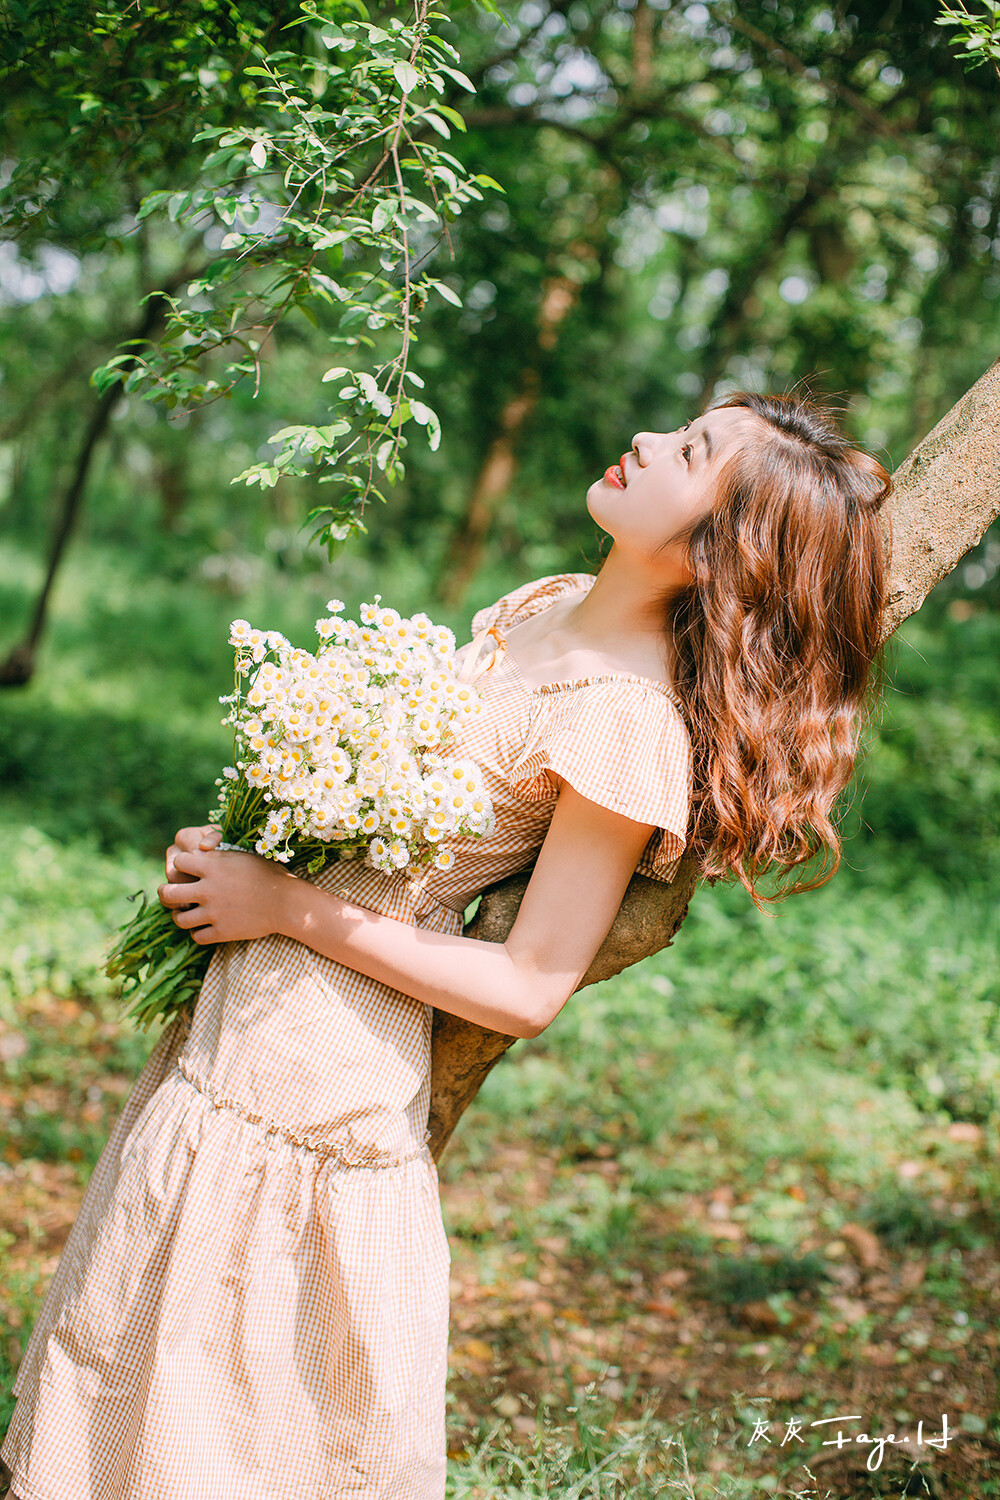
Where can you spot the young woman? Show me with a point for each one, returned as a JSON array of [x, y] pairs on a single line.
[[253, 1302]]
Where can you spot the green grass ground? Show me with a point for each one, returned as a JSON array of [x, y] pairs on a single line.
[[751, 1182]]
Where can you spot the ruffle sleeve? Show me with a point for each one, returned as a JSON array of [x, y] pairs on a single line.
[[623, 744], [528, 598]]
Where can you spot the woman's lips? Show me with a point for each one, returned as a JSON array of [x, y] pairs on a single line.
[[615, 477]]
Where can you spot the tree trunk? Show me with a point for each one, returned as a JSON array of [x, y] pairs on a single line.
[[946, 494], [19, 666], [500, 464]]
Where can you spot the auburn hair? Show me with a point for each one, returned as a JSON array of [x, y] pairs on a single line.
[[776, 638]]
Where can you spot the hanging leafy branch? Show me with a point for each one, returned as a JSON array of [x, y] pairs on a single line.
[[977, 35], [336, 196]]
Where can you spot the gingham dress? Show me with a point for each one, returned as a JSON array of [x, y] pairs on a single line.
[[253, 1300]]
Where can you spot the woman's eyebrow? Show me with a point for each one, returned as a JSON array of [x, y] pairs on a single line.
[[704, 433]]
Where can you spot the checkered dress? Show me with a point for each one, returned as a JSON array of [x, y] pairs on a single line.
[[254, 1296]]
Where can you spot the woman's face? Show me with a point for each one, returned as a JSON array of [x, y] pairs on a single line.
[[666, 481]]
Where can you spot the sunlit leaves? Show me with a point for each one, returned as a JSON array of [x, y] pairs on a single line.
[[328, 203]]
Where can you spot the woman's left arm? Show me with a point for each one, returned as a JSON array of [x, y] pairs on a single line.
[[516, 987]]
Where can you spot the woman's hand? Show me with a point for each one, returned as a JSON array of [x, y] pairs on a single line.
[[188, 841], [225, 896]]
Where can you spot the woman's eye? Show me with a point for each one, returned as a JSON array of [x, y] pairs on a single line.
[[687, 449]]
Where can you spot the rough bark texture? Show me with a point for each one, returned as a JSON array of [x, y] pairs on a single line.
[[946, 494]]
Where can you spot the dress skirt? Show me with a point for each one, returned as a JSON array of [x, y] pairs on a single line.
[[253, 1300]]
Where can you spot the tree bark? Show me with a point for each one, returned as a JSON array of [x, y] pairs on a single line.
[[500, 464], [18, 667], [945, 496]]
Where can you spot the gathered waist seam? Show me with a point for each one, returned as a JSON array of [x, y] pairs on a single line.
[[326, 1149]]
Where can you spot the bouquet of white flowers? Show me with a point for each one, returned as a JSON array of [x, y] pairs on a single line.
[[338, 754]]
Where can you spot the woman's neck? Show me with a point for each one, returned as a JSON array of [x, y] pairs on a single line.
[[616, 625], [622, 615]]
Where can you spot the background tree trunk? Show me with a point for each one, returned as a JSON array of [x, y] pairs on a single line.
[[17, 669], [946, 494], [465, 547]]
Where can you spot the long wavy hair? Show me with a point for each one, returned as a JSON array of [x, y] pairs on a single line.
[[777, 640]]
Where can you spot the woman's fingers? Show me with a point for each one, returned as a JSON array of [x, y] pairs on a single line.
[[170, 864], [175, 893], [189, 838], [190, 841], [186, 840], [190, 916], [198, 927]]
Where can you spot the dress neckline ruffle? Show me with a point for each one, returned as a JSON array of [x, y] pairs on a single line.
[[481, 667]]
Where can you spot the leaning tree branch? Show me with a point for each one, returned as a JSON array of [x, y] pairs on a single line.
[[945, 496]]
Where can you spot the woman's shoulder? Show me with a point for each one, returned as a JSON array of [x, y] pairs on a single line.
[[528, 598]]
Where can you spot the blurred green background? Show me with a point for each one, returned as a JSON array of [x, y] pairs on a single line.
[[699, 199]]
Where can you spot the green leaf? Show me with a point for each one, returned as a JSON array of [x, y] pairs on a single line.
[[334, 237], [436, 123], [151, 202], [460, 77], [383, 214], [327, 283], [406, 76], [494, 10], [451, 114], [447, 293]]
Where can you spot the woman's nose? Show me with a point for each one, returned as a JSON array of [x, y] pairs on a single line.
[[648, 445]]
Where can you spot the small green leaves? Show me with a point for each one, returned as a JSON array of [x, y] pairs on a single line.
[[355, 166], [151, 203], [436, 123], [425, 417], [374, 397], [383, 214]]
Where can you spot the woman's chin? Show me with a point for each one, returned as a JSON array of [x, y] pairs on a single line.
[[599, 501]]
